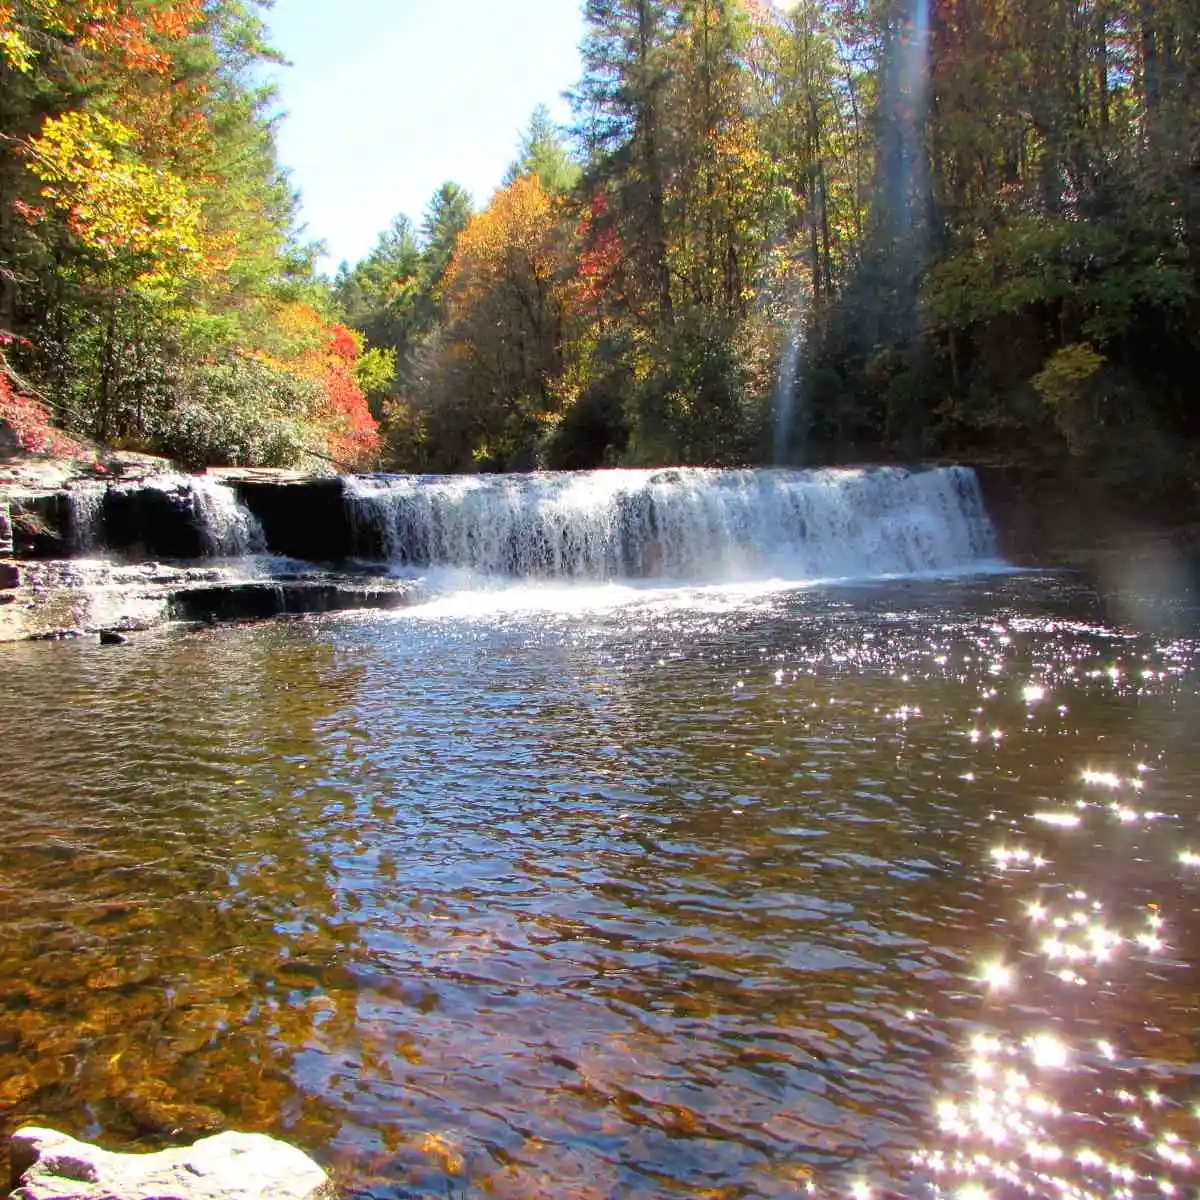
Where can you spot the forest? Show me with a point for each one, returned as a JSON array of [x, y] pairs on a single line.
[[828, 232]]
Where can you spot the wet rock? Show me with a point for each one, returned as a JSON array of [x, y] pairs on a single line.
[[39, 525], [6, 533], [304, 518], [161, 521], [262, 601], [229, 1166], [10, 575], [110, 637]]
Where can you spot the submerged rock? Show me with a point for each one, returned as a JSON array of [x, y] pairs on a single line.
[[229, 1166]]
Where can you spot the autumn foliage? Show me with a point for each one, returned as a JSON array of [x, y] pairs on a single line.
[[600, 253], [27, 420], [326, 354], [148, 248]]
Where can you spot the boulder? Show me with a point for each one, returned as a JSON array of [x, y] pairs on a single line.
[[229, 1166]]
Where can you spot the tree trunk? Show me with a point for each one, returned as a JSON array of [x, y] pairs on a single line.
[[107, 365], [653, 167]]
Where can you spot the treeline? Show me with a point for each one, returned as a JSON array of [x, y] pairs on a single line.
[[153, 293], [975, 221], [837, 230]]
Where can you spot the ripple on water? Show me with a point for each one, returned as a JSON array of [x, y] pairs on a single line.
[[710, 896]]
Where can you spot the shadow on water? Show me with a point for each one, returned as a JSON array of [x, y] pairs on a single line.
[[880, 888]]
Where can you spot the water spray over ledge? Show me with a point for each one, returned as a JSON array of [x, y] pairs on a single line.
[[126, 555], [681, 524]]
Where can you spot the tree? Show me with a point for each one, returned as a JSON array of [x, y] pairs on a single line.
[[502, 353], [620, 122], [542, 153]]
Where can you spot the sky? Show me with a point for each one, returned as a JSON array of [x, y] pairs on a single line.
[[387, 99]]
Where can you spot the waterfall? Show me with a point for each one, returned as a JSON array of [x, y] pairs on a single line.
[[175, 516], [683, 524], [228, 528], [85, 516]]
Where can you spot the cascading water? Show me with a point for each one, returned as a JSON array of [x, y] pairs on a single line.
[[685, 524], [123, 515], [85, 504], [228, 528]]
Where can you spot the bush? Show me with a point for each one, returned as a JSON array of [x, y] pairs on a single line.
[[245, 413], [693, 409]]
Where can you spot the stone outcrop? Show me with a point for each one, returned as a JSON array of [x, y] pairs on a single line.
[[40, 525], [300, 518], [80, 537], [152, 522], [230, 1166], [255, 601], [70, 598]]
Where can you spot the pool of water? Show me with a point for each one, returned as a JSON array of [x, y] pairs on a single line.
[[889, 890]]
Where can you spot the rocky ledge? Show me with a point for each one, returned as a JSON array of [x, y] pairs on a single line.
[[227, 545], [48, 1165], [45, 601]]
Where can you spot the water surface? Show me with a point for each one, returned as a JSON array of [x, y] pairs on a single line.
[[708, 893]]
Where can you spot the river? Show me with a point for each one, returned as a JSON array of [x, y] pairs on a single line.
[[618, 891]]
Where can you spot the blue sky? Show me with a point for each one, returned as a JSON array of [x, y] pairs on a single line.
[[386, 99]]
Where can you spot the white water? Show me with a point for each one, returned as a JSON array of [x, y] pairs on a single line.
[[682, 525], [85, 500], [227, 528]]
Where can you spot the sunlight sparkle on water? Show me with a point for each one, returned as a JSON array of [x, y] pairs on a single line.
[[997, 975], [1066, 820], [1108, 779], [1047, 1051], [1005, 857]]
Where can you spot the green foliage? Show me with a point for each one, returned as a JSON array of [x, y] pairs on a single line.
[[694, 407], [239, 413], [375, 372], [542, 153]]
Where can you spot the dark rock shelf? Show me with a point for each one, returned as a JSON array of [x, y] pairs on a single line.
[[56, 599], [263, 601], [79, 549]]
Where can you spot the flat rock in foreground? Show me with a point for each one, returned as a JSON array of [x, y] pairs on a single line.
[[229, 1166]]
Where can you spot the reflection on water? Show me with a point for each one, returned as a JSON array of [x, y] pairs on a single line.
[[887, 891]]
